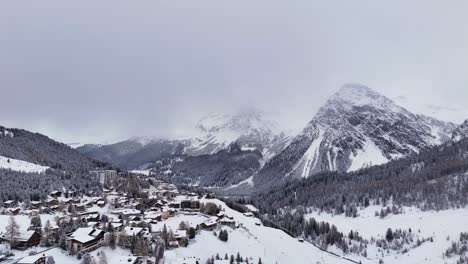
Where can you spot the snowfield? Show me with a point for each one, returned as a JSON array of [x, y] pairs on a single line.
[[19, 165], [253, 241], [443, 226]]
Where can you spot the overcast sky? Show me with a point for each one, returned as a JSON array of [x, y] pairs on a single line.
[[104, 70]]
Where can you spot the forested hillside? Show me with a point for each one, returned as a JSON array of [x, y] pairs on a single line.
[[224, 168], [434, 179], [69, 170], [39, 149]]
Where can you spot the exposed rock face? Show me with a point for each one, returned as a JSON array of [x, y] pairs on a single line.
[[357, 127]]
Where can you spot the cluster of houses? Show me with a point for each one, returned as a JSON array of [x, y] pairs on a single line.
[[130, 216]]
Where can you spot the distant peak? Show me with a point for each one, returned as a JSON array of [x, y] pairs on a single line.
[[144, 140], [352, 91], [359, 95]]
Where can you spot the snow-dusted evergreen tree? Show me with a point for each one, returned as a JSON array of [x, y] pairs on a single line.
[[86, 259], [102, 258], [12, 231], [50, 260]]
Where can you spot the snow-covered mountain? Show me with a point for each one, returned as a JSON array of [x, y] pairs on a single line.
[[460, 132], [250, 128], [134, 153], [357, 127]]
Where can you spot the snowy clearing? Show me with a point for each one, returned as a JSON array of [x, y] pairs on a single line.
[[19, 165], [440, 225]]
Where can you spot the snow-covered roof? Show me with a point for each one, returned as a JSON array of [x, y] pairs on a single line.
[[251, 208], [25, 236], [85, 234], [180, 233], [132, 230], [211, 221]]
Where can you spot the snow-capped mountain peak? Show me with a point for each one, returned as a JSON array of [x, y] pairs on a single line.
[[356, 95], [251, 128], [357, 127]]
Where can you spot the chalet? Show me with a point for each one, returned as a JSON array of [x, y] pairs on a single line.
[[34, 212], [251, 208], [227, 222], [92, 217], [153, 217], [180, 234], [56, 194], [10, 204], [137, 231], [52, 202], [101, 203], [36, 204], [117, 226], [248, 214], [36, 259], [25, 240], [14, 211], [190, 204], [126, 213], [84, 239], [173, 244], [175, 205], [211, 223]]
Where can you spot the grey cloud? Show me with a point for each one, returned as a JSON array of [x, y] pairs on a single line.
[[107, 70]]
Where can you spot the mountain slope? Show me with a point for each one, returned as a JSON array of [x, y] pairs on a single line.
[[35, 148], [223, 168], [23, 154], [356, 128], [460, 132], [133, 153], [250, 129]]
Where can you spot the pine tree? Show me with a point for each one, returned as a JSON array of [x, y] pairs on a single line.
[[165, 236], [389, 235], [112, 240], [122, 241], [191, 233], [86, 259], [46, 235], [50, 260], [103, 258], [36, 223], [12, 231]]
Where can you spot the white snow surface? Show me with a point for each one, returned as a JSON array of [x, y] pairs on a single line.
[[143, 172], [440, 225], [19, 165], [271, 245], [370, 155], [311, 156]]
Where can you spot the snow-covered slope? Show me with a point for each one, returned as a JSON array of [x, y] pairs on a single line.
[[19, 165], [460, 132], [251, 240], [250, 128], [357, 127], [443, 226]]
